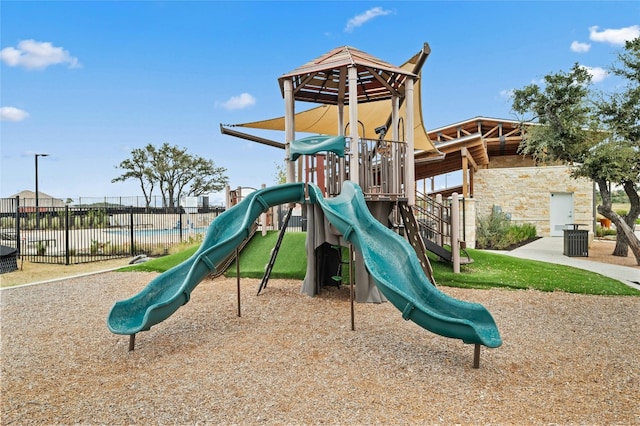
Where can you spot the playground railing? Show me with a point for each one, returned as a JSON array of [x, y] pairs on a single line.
[[381, 168]]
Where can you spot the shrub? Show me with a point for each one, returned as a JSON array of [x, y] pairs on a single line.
[[518, 233], [495, 231], [603, 232], [491, 228]]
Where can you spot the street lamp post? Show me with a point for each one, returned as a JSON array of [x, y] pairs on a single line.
[[37, 204]]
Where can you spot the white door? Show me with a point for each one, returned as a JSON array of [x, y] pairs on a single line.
[[560, 212]]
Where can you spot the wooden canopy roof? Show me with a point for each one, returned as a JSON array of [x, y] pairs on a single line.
[[323, 119], [324, 80], [473, 142]]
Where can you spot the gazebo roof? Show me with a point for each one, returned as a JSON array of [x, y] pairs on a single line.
[[325, 79], [323, 119]]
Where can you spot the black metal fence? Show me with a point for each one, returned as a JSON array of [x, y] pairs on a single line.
[[80, 234], [73, 234]]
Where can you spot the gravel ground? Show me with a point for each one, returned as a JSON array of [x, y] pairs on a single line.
[[291, 359]]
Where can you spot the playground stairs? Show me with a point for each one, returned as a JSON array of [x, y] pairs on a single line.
[[433, 220], [412, 232]]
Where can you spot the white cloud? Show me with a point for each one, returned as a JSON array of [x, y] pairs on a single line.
[[37, 55], [12, 114], [614, 36], [597, 74], [506, 93], [578, 47], [363, 18], [238, 102]]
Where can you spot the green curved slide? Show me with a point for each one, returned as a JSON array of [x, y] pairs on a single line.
[[388, 257], [394, 267], [172, 289]]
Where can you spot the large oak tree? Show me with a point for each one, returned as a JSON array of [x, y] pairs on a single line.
[[173, 171], [598, 134]]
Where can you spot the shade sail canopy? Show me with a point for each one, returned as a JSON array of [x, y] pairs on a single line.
[[324, 118]]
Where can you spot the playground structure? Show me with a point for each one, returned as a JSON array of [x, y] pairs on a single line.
[[355, 190]]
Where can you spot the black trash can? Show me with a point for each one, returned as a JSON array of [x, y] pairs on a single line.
[[8, 262], [576, 242]]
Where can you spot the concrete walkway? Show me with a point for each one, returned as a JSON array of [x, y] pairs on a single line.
[[549, 249]]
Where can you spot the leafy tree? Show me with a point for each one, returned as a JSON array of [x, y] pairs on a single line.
[[281, 173], [138, 167], [597, 134], [174, 171]]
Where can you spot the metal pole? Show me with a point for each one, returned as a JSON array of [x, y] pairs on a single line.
[[37, 209], [476, 356], [351, 289], [66, 235], [37, 204], [238, 278]]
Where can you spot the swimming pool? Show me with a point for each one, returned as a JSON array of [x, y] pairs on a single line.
[[151, 232]]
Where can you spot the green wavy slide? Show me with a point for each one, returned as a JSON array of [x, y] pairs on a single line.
[[388, 257], [172, 289]]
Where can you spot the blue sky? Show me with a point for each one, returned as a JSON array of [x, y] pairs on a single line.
[[87, 82]]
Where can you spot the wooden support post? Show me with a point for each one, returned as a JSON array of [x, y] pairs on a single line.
[[238, 278], [455, 233], [465, 175], [132, 342], [476, 356]]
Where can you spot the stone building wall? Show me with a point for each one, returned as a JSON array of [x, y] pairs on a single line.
[[525, 194]]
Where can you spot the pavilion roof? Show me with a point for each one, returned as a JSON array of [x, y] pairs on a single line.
[[325, 79]]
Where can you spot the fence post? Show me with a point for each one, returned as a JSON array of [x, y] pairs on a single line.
[[66, 235], [18, 239], [133, 249]]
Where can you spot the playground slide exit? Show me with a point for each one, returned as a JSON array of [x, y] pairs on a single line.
[[389, 259]]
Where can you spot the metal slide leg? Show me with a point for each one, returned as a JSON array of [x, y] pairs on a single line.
[[476, 356], [238, 279], [351, 289], [132, 342]]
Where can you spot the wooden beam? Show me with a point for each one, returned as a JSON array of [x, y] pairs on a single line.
[[514, 131], [303, 82], [493, 129], [464, 152], [382, 81], [505, 138]]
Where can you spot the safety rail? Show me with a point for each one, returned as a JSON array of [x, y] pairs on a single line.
[[434, 219], [381, 168]]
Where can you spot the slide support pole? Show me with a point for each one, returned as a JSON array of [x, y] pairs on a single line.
[[351, 289], [476, 356], [132, 342], [238, 279]]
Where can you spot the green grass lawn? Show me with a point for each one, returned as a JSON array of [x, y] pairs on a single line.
[[291, 261], [489, 270], [499, 270]]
